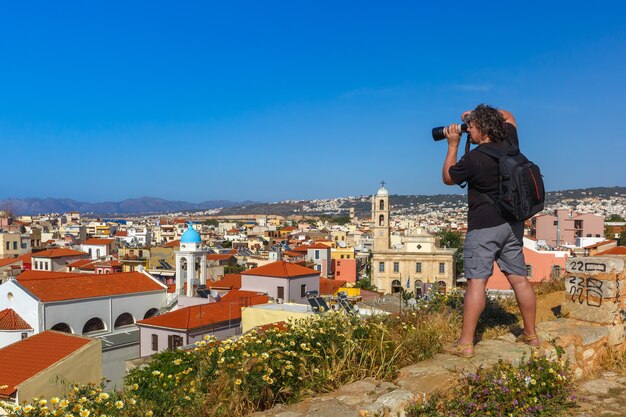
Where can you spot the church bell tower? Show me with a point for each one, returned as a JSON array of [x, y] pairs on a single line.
[[380, 219]]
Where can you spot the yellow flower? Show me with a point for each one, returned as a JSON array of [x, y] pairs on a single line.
[[119, 404], [43, 402], [149, 413], [104, 396], [28, 408], [178, 361], [64, 403], [84, 413], [237, 381], [54, 400]]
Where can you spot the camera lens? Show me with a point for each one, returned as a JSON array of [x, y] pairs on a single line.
[[439, 134]]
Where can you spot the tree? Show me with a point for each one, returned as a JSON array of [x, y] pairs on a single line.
[[615, 218], [453, 240], [226, 244], [211, 222], [622, 238]]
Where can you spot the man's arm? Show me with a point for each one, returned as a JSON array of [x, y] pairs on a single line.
[[453, 134], [508, 117]]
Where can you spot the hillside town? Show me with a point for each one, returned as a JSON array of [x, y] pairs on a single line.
[[109, 293]]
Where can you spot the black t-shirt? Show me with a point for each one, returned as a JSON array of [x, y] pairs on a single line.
[[481, 173]]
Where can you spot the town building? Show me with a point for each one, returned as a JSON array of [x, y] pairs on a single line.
[[564, 227], [40, 366], [56, 260], [413, 265], [98, 248], [282, 281]]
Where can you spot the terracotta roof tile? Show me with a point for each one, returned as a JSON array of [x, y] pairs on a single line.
[[281, 269], [232, 231], [98, 241], [8, 261], [229, 281], [597, 245], [319, 245], [80, 263], [171, 244], [22, 360], [78, 286], [330, 286], [245, 298], [58, 253], [301, 248], [205, 314], [218, 257], [10, 320], [617, 250], [121, 233]]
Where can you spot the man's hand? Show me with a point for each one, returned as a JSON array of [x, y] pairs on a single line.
[[466, 114], [453, 133]]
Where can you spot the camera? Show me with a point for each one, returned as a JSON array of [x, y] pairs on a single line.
[[439, 134]]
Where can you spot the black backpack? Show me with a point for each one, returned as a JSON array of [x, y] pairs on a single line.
[[520, 184]]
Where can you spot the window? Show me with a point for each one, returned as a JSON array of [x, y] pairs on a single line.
[[338, 273], [381, 267], [14, 245], [342, 256], [302, 290], [174, 341], [155, 342], [24, 245], [347, 256], [418, 267], [556, 271], [338, 263], [317, 254], [280, 292], [24, 336], [396, 267], [529, 271], [382, 204], [442, 268], [381, 220], [8, 245], [556, 223]]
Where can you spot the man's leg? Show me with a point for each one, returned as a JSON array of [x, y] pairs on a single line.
[[527, 301], [473, 306]]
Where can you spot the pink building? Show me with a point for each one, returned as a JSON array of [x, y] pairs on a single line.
[[565, 226], [344, 269], [541, 265]]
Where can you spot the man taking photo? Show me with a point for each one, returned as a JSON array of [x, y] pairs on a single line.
[[490, 237]]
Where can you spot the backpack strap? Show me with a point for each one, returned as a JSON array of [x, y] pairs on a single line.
[[467, 149]]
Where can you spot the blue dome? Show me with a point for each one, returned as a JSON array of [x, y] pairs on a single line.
[[190, 236]]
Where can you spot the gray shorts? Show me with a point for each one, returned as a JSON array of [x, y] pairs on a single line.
[[501, 243]]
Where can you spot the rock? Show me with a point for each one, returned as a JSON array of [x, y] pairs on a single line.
[[373, 409], [594, 265], [600, 386], [396, 401]]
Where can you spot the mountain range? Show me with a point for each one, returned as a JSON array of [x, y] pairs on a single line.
[[148, 205], [142, 205]]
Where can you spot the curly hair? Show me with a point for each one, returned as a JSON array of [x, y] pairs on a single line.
[[489, 121]]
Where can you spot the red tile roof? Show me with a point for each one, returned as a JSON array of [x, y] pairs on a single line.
[[22, 360], [229, 281], [121, 233], [206, 314], [31, 274], [171, 244], [10, 320], [8, 261], [57, 253], [330, 286], [301, 248], [218, 257], [293, 253], [319, 246], [80, 263], [79, 286], [281, 269], [618, 250], [597, 245], [97, 241], [245, 298], [232, 231]]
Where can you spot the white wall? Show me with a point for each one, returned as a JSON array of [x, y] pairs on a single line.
[[270, 285]]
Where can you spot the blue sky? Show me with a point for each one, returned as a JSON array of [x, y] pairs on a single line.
[[281, 100]]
